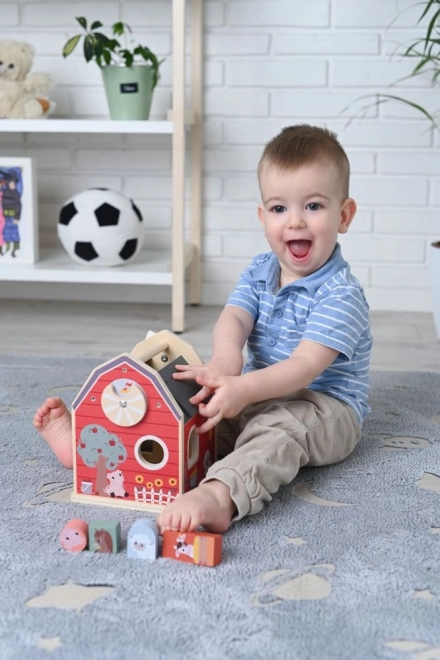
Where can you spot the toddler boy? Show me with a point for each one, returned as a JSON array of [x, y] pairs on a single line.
[[302, 395]]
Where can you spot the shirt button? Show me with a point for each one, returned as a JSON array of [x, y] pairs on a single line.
[[271, 342], [278, 313]]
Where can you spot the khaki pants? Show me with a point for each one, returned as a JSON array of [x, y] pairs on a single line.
[[268, 442]]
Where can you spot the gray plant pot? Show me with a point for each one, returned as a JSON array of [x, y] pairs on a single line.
[[129, 91]]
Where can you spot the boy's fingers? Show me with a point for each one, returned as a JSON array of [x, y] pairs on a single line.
[[201, 395], [209, 424], [210, 382], [184, 375], [184, 367]]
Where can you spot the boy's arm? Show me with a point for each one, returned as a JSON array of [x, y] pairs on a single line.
[[307, 362], [230, 334], [233, 393]]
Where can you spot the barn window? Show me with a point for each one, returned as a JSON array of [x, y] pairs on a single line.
[[151, 452], [193, 447]]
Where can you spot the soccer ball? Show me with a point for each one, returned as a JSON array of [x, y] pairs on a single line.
[[100, 227]]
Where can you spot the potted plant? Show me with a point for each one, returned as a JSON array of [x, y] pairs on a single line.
[[130, 72], [425, 51]]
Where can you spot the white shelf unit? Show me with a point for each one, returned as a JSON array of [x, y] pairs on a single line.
[[150, 268]]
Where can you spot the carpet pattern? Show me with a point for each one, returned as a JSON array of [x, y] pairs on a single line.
[[343, 564]]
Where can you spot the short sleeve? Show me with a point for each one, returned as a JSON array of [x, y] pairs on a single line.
[[338, 319], [245, 294]]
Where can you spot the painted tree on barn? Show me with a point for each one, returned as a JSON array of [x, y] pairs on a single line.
[[101, 450]]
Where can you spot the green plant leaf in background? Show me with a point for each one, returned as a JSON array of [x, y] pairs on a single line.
[[426, 51], [71, 45], [106, 50]]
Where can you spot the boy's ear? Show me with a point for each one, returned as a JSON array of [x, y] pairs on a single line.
[[260, 214], [348, 211]]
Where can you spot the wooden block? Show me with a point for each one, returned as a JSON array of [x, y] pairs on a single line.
[[193, 547], [75, 535], [105, 536], [143, 539]]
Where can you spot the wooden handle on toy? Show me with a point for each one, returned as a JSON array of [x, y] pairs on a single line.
[[148, 348]]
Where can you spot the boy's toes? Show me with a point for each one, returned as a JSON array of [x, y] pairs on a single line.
[[185, 522], [175, 522]]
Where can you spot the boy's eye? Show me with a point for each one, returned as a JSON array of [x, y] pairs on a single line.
[[313, 206], [278, 208]]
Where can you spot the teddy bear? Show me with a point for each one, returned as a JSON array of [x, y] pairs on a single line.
[[22, 96]]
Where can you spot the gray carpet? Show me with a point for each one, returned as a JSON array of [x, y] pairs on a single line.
[[343, 564]]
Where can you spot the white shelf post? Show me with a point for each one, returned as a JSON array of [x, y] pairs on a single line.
[[178, 103], [195, 274]]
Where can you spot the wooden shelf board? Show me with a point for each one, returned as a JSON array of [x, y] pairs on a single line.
[[84, 126], [55, 266]]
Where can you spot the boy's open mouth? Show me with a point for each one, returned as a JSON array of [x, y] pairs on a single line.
[[300, 249]]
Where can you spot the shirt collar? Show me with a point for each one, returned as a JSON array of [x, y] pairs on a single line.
[[269, 271]]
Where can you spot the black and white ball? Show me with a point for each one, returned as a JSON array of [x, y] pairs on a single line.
[[100, 227]]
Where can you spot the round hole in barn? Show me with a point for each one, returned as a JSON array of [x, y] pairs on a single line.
[[151, 452]]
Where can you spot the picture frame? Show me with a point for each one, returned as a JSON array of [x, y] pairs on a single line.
[[18, 211]]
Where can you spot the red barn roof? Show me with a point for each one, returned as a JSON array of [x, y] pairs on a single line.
[[143, 369]]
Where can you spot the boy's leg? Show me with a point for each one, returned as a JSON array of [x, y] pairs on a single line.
[[227, 432], [279, 437], [209, 504], [275, 439]]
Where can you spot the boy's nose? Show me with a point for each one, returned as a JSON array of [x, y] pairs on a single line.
[[296, 221]]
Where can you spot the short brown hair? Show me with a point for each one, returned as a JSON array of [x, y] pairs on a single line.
[[302, 144]]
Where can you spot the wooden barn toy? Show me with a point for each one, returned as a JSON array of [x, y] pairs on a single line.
[[134, 439]]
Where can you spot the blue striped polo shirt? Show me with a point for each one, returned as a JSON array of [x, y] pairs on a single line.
[[328, 307]]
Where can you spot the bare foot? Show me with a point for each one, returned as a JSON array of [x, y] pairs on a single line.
[[209, 505], [54, 423]]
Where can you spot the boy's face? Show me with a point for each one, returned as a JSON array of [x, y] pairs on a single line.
[[302, 212]]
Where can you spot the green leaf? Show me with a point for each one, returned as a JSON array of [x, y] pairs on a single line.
[[127, 57], [113, 45], [431, 26], [413, 105], [89, 50], [98, 48], [82, 21], [96, 25], [118, 28], [379, 99], [71, 45], [409, 52], [427, 8], [102, 39]]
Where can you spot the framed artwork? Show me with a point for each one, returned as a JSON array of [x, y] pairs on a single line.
[[18, 211]]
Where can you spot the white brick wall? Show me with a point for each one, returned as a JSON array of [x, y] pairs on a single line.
[[268, 63]]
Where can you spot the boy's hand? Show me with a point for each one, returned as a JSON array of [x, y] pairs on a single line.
[[228, 399], [228, 396], [191, 372]]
